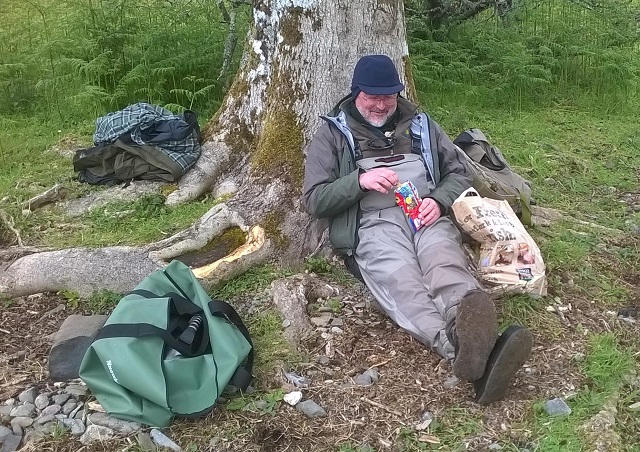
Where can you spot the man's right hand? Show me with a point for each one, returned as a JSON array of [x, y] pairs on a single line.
[[378, 179]]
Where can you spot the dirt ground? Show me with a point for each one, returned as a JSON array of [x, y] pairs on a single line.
[[382, 416]]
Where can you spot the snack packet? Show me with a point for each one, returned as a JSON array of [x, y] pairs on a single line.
[[408, 199]]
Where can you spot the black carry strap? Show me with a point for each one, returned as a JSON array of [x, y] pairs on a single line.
[[242, 376], [177, 305]]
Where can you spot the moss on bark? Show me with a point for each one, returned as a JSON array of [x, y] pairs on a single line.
[[279, 149]]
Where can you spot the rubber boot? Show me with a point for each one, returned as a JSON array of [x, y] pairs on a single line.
[[473, 333], [511, 351]]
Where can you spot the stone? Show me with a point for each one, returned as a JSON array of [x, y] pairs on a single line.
[[51, 409], [145, 442], [5, 410], [69, 407], [311, 409], [163, 440], [293, 398], [22, 421], [425, 420], [95, 433], [95, 406], [451, 382], [373, 373], [42, 401], [320, 321], [28, 395], [17, 430], [363, 380], [40, 432], [10, 443], [297, 380], [25, 410], [118, 425], [61, 399], [635, 406], [77, 390], [76, 411], [70, 344], [46, 418], [4, 431], [557, 407], [75, 425]]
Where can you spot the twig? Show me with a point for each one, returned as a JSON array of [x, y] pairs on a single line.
[[381, 406], [2, 330], [8, 221], [381, 363], [14, 382]]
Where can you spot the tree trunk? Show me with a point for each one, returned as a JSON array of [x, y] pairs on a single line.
[[298, 63]]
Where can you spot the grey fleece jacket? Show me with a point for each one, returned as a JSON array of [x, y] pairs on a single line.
[[331, 189]]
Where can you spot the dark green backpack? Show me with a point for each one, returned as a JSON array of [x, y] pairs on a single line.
[[492, 176], [167, 350]]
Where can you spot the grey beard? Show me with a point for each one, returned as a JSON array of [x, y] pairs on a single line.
[[375, 123]]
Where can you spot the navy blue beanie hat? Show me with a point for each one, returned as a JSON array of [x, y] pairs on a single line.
[[375, 74]]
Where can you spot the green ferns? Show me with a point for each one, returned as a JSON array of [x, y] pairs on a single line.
[[549, 52], [74, 60]]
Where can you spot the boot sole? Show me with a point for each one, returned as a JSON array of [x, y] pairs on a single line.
[[477, 331], [511, 351]]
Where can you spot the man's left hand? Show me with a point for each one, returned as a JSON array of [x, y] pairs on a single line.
[[428, 212]]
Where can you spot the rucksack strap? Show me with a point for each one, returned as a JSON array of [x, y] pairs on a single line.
[[243, 375], [476, 145], [145, 329], [421, 143], [525, 209]]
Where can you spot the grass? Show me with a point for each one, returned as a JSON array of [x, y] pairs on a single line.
[[605, 367], [568, 122], [147, 219]]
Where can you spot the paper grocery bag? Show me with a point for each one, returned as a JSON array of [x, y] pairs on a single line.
[[509, 256]]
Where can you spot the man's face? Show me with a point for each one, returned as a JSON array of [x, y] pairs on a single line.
[[376, 109]]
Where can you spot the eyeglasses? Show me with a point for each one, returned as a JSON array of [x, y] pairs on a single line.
[[387, 99]]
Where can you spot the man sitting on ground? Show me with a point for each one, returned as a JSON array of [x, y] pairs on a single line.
[[372, 141]]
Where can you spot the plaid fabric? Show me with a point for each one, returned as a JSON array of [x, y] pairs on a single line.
[[137, 117]]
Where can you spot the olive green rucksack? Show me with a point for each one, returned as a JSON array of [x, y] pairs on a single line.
[[492, 176], [167, 350]]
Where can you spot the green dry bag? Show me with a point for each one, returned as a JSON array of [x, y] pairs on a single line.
[[167, 350]]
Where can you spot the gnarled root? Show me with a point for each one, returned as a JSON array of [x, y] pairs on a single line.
[[121, 268]]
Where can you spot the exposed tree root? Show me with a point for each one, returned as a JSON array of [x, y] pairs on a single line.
[[131, 192], [204, 174], [210, 225], [254, 251], [120, 268], [292, 295], [9, 224], [54, 194]]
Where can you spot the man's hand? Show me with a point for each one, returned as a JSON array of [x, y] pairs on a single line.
[[428, 212], [378, 179]]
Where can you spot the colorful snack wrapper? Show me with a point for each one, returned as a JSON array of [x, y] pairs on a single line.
[[408, 199]]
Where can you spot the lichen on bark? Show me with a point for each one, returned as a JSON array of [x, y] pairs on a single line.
[[272, 224]]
